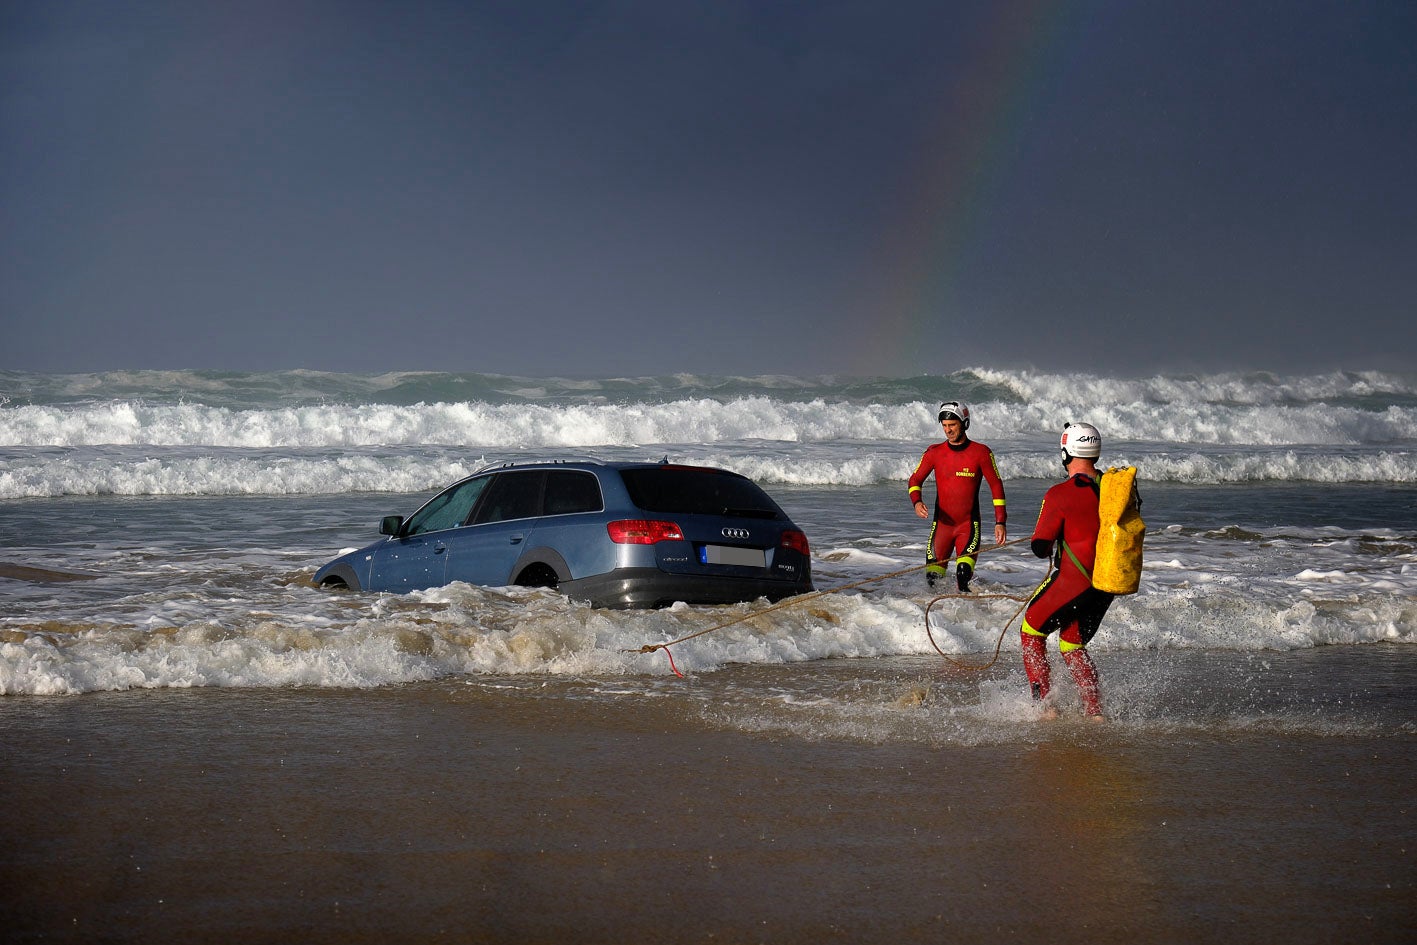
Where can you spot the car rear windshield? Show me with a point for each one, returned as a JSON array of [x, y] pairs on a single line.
[[693, 491]]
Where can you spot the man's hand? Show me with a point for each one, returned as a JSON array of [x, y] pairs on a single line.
[[921, 511], [1001, 534]]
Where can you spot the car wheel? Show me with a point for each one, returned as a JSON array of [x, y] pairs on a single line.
[[538, 575]]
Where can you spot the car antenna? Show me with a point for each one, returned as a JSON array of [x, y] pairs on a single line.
[[665, 460]]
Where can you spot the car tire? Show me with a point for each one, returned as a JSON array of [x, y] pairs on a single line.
[[538, 575]]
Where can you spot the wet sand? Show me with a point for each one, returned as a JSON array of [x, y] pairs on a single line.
[[445, 812]]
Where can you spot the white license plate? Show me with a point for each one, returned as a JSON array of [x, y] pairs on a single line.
[[727, 554]]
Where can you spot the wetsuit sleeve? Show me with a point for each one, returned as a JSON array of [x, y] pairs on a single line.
[[917, 478], [1049, 528], [996, 487]]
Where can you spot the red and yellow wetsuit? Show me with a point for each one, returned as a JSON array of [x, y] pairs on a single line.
[[957, 471], [1066, 601]]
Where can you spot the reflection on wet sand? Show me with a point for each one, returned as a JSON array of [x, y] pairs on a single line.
[[23, 572]]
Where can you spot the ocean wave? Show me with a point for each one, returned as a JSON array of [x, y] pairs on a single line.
[[1183, 392], [232, 472], [1184, 467], [403, 388], [160, 433], [704, 421], [1367, 390], [230, 475], [459, 629], [458, 424]]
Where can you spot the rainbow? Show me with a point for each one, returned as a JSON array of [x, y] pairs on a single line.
[[946, 205]]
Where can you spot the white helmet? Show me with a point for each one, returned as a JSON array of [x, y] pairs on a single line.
[[954, 410], [1080, 440]]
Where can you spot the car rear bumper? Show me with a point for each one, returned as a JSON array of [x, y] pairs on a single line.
[[649, 587]]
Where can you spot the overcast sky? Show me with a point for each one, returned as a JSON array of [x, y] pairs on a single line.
[[633, 188]]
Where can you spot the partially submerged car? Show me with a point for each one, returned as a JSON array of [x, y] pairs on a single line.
[[614, 534]]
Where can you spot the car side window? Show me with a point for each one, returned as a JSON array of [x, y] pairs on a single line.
[[568, 490], [512, 495], [448, 509]]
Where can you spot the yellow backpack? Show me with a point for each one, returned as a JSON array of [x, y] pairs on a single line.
[[1118, 566]]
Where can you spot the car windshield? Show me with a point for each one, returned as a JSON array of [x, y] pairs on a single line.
[[689, 490]]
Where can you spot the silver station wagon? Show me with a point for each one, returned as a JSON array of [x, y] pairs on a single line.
[[614, 534]]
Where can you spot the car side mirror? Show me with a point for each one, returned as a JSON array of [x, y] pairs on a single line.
[[391, 525]]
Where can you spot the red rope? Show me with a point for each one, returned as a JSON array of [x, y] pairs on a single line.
[[671, 663]]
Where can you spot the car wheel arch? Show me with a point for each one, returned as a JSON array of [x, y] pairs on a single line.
[[340, 577], [537, 562]]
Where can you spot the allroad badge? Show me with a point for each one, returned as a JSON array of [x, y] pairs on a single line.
[[735, 533]]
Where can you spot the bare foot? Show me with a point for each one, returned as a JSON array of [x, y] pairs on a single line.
[[1049, 713], [1096, 718]]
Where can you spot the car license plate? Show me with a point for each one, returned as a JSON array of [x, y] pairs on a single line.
[[727, 554]]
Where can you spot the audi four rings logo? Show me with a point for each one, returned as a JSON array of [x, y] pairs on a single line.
[[735, 533]]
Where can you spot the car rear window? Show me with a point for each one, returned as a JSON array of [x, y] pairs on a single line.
[[570, 491], [695, 491]]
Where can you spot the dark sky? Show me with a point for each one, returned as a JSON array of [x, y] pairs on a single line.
[[636, 188]]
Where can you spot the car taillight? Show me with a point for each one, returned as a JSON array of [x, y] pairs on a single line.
[[643, 531], [796, 541]]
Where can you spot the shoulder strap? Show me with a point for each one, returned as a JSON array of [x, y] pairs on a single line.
[[1076, 563]]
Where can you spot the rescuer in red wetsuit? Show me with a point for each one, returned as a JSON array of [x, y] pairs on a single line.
[[957, 464], [1066, 601]]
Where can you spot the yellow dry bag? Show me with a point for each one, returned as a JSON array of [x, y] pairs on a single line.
[[1118, 566]]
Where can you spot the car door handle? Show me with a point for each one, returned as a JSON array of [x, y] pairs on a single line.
[[515, 539], [439, 548]]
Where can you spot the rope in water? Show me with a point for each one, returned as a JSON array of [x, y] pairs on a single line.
[[998, 644], [806, 598]]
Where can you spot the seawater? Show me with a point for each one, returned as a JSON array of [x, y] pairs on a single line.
[[158, 530], [211, 744]]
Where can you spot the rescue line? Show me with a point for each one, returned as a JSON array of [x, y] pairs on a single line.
[[815, 595], [998, 644]]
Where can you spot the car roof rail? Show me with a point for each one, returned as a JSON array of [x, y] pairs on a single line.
[[513, 464]]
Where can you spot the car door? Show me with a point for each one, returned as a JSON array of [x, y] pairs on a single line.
[[417, 557], [571, 533], [485, 551]]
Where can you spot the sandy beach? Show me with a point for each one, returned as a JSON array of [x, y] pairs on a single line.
[[449, 811]]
